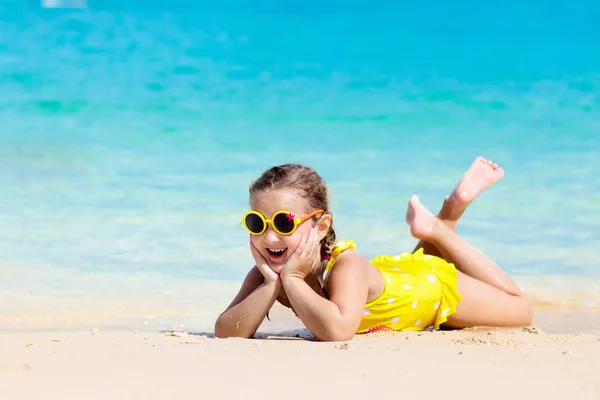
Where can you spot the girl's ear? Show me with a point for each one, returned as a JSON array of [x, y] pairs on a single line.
[[323, 225]]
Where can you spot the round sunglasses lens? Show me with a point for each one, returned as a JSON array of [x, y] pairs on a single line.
[[255, 223], [283, 224]]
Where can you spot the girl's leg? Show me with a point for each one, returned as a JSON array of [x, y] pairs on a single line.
[[480, 175], [490, 297]]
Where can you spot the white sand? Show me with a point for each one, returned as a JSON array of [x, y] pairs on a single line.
[[491, 364]]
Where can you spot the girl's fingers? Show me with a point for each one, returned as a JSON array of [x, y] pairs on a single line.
[[267, 272], [256, 254], [312, 248], [301, 246], [308, 244], [315, 244]]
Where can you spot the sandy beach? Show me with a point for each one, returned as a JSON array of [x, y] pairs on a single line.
[[131, 131], [477, 363]]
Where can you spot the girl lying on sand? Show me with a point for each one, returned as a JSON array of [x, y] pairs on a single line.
[[337, 293]]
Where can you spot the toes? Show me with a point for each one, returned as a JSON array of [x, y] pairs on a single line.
[[490, 163]]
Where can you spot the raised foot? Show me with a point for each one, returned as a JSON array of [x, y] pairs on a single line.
[[481, 175], [422, 222]]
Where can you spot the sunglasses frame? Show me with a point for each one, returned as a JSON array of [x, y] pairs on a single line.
[[266, 221]]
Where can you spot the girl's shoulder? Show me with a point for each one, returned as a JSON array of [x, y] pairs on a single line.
[[347, 267], [343, 251]]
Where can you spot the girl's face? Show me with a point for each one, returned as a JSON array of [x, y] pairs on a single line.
[[276, 248]]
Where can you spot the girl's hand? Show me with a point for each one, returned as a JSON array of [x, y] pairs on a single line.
[[269, 275], [305, 258]]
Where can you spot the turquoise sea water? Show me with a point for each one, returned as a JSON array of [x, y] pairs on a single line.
[[129, 132]]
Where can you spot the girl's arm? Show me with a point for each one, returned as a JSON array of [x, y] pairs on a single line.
[[338, 318], [249, 308]]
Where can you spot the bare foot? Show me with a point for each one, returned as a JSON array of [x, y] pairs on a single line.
[[481, 175], [422, 222]]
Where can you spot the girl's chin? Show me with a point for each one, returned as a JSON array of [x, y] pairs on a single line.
[[277, 268]]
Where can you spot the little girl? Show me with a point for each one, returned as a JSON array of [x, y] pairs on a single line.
[[337, 293]]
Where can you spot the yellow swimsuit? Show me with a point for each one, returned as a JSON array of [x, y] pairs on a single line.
[[419, 291]]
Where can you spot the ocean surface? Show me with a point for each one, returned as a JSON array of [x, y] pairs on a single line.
[[130, 131]]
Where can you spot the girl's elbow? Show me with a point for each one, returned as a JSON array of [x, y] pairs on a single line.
[[342, 338], [336, 335], [220, 329], [224, 330], [529, 313]]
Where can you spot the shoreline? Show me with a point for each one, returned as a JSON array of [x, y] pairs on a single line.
[[551, 319]]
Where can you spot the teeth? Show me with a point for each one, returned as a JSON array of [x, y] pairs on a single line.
[[276, 250]]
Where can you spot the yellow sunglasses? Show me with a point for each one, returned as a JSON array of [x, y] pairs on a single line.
[[284, 222]]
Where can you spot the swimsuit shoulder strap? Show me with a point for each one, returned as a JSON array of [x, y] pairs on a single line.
[[338, 249]]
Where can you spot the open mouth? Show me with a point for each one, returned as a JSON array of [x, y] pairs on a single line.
[[276, 253]]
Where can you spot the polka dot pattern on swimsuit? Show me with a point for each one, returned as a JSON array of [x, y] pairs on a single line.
[[416, 293]]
